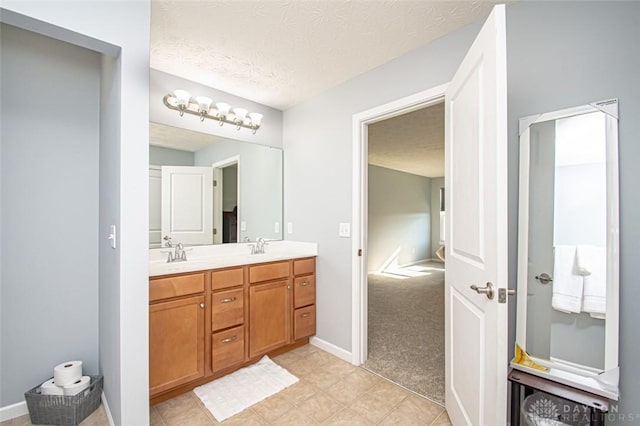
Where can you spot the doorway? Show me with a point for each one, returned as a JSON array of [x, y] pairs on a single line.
[[405, 277], [226, 200], [361, 121]]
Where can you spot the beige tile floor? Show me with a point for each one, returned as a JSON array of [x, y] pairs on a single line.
[[330, 392]]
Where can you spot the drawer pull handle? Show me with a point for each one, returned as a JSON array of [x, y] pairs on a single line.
[[202, 305], [304, 284], [305, 315], [228, 300], [229, 339]]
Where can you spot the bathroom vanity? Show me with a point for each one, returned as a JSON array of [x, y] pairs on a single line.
[[222, 310]]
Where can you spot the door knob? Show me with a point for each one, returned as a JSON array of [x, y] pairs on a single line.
[[488, 290], [544, 278]]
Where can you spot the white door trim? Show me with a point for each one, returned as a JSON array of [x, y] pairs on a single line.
[[217, 196], [359, 208]]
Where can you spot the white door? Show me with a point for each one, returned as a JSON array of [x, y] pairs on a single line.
[[187, 205], [476, 221]]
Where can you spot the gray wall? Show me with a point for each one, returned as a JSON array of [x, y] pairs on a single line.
[[399, 218], [49, 288], [160, 156], [260, 175], [560, 54], [124, 159], [436, 184]]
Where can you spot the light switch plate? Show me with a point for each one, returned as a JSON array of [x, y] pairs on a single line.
[[289, 227], [112, 236], [344, 230], [276, 228], [243, 225]]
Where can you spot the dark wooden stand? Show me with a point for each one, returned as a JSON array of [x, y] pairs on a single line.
[[520, 381]]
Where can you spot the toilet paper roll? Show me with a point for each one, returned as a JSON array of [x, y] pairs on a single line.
[[68, 372], [50, 388], [78, 386]]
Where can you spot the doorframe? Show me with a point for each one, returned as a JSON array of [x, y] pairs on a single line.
[[361, 122], [217, 195]]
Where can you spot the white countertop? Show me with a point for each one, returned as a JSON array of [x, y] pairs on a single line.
[[200, 258]]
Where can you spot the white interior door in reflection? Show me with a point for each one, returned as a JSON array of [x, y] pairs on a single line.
[[187, 205]]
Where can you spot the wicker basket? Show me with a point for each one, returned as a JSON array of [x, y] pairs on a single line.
[[63, 410]]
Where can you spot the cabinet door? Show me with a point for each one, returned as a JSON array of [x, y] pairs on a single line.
[[269, 317], [176, 343]]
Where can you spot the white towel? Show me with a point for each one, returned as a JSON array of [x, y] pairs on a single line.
[[583, 260], [594, 299], [567, 286]]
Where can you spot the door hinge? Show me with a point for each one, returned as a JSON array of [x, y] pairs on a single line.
[[215, 231], [215, 182], [359, 252]]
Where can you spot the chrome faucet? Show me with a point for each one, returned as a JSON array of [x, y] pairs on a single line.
[[178, 255], [258, 247]]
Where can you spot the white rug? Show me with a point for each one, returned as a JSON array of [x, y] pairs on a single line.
[[237, 391]]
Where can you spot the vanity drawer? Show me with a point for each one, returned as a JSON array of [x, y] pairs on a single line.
[[227, 348], [227, 308], [227, 278], [304, 291], [304, 322], [268, 272], [304, 266], [166, 288]]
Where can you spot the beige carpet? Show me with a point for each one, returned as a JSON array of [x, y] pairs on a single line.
[[406, 328]]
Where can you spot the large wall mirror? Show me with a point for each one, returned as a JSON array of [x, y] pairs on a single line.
[[567, 309], [205, 189]]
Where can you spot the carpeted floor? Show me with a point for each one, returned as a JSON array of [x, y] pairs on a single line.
[[406, 328]]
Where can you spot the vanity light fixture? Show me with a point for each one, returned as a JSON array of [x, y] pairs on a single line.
[[181, 101]]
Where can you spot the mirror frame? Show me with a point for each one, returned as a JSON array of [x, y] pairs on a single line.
[[560, 372]]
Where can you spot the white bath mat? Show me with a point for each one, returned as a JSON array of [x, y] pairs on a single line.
[[237, 391]]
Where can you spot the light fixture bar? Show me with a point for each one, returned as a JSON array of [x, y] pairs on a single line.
[[201, 109]]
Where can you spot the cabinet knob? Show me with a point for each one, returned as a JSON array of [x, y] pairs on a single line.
[[305, 315], [306, 283], [202, 305], [228, 300], [289, 287]]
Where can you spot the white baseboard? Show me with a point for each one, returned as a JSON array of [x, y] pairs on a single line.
[[331, 348], [14, 410], [103, 397]]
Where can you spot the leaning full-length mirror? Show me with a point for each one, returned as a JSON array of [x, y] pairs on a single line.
[[204, 189], [568, 246]]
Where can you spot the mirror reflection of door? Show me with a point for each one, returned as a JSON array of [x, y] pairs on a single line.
[[567, 212]]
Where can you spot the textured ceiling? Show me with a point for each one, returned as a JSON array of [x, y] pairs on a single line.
[[178, 138], [280, 53], [412, 143]]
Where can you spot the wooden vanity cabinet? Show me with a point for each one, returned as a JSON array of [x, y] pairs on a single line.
[[207, 324], [176, 332]]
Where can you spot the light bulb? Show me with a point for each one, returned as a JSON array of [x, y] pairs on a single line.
[[256, 118], [240, 113], [223, 108], [204, 103], [182, 97]]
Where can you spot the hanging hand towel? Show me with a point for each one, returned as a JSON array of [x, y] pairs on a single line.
[[594, 299], [583, 260], [567, 287]]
